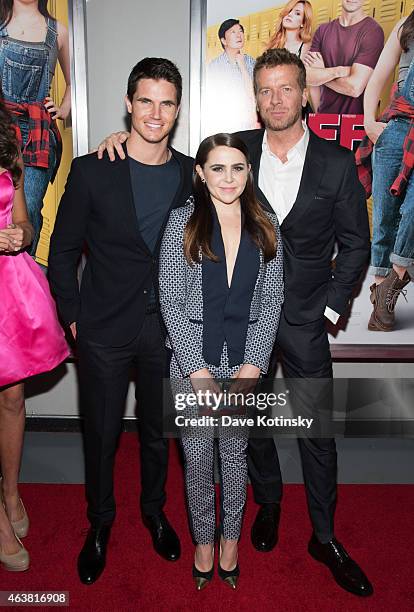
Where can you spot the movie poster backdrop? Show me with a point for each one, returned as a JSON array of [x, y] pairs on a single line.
[[222, 99], [72, 129]]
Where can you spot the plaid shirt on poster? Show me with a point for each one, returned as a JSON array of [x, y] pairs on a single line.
[[36, 150], [398, 107]]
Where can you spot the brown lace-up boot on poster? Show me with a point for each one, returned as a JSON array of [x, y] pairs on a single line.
[[384, 298]]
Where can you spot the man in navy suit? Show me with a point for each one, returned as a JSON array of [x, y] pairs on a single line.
[[120, 210]]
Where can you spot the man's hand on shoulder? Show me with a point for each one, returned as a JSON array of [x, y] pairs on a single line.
[[113, 143]]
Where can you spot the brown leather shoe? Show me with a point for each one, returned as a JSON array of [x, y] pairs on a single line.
[[384, 298]]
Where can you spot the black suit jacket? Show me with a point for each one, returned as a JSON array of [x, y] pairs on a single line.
[[330, 206], [97, 208]]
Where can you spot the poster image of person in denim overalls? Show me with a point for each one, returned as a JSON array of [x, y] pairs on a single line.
[[392, 252], [31, 42]]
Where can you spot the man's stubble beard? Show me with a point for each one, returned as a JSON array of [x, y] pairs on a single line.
[[281, 126], [155, 139]]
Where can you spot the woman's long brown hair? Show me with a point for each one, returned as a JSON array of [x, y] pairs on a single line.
[[9, 148], [407, 32], [6, 10], [198, 231]]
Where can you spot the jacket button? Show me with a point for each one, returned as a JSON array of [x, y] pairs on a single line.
[[145, 291]]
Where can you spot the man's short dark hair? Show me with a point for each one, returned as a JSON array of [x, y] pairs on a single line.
[[155, 68], [226, 25], [280, 57]]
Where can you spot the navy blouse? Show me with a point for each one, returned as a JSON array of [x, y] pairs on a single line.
[[226, 309]]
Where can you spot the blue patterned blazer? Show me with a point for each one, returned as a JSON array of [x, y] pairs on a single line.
[[181, 299]]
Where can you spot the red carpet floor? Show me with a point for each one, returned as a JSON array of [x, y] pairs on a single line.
[[375, 522]]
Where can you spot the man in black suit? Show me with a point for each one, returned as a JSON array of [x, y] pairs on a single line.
[[313, 187], [120, 210]]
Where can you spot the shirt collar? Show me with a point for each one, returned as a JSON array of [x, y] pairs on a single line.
[[300, 147], [228, 60]]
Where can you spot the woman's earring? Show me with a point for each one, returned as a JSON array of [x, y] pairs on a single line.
[[203, 180]]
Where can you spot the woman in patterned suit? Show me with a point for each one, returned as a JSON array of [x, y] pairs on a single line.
[[221, 291]]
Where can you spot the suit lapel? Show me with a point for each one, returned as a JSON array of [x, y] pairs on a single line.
[[255, 150], [178, 197], [125, 196], [311, 176]]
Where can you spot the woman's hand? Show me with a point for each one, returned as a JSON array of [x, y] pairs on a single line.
[[57, 112], [245, 379], [6, 241], [15, 237], [202, 382], [113, 143], [203, 373], [248, 370], [374, 130]]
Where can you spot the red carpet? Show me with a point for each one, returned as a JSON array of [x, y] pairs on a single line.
[[375, 522]]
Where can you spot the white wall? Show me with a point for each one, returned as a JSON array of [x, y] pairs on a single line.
[[121, 33]]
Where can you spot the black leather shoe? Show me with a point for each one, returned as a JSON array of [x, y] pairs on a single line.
[[92, 557], [345, 571], [164, 538], [264, 533]]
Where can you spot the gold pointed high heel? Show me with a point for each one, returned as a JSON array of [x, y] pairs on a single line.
[[16, 562], [230, 577], [202, 579]]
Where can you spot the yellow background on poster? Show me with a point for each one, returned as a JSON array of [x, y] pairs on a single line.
[[59, 10], [259, 27]]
